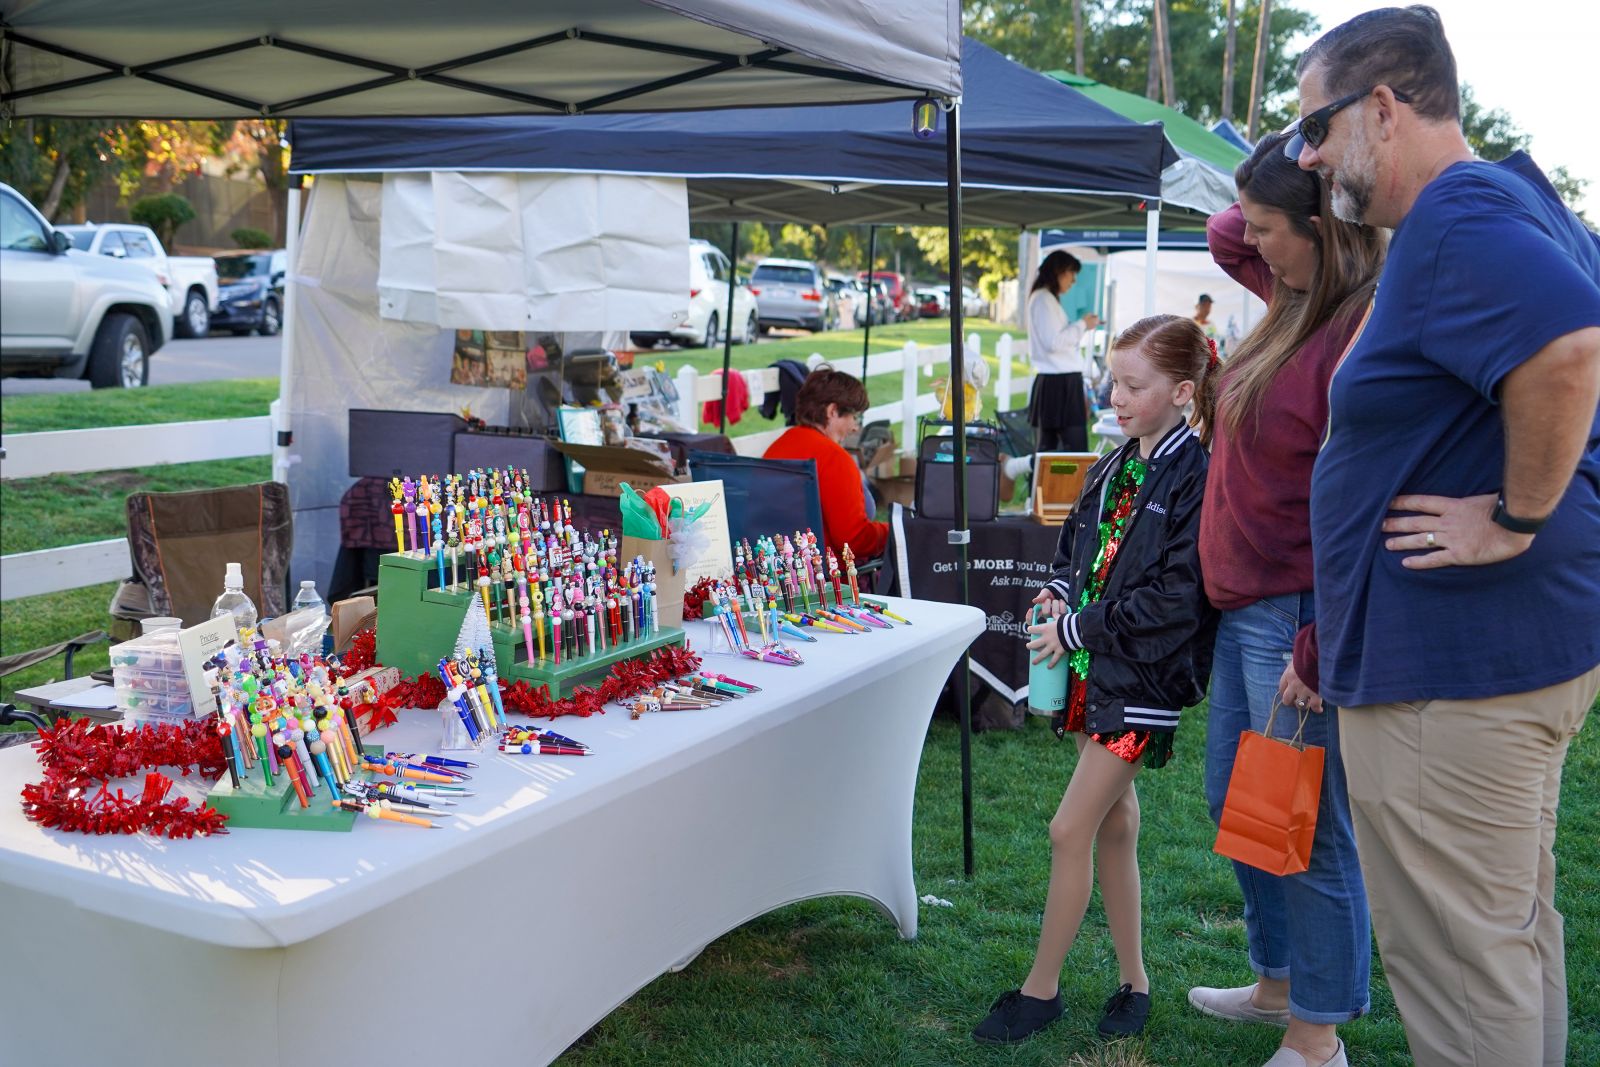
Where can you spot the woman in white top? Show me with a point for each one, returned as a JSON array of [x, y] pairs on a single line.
[[1057, 408]]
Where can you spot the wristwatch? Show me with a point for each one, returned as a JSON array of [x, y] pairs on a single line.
[[1512, 522]]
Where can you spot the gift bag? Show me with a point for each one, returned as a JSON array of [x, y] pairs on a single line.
[[1270, 814], [669, 583]]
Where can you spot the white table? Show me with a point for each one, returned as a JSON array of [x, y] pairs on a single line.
[[565, 886]]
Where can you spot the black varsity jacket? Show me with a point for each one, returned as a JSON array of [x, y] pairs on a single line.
[[1150, 635]]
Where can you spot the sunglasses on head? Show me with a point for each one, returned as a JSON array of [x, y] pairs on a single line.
[[1312, 129]]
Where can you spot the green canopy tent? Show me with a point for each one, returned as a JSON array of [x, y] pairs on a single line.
[[1203, 174]]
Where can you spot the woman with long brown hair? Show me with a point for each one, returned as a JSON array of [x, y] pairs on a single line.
[[1308, 933], [1057, 407]]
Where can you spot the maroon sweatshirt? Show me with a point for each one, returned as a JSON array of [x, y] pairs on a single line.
[[1255, 521]]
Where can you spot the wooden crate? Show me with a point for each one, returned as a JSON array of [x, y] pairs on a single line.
[[1057, 482]]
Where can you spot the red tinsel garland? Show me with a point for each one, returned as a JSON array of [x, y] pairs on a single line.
[[695, 599], [76, 755], [627, 678]]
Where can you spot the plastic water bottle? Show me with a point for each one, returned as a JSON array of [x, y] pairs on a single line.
[[234, 601], [308, 597]]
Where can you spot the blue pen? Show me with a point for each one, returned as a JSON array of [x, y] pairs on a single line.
[[436, 761], [458, 696], [789, 628]]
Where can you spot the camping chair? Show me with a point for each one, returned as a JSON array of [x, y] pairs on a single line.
[[9, 665], [762, 496], [181, 543], [768, 496]]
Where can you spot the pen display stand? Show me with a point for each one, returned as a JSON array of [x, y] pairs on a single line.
[[806, 602], [418, 622], [255, 805]]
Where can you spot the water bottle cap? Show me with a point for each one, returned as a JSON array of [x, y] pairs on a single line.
[[309, 584], [235, 573]]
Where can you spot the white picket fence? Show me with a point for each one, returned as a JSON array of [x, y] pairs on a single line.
[[911, 362], [33, 455]]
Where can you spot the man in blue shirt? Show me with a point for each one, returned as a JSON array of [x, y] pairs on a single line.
[[1456, 527]]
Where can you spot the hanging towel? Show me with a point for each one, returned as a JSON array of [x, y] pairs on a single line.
[[738, 401]]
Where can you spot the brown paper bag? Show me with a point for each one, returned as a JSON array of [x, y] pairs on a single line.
[[669, 583]]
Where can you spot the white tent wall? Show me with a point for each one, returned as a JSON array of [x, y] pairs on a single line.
[[347, 356], [1181, 276]]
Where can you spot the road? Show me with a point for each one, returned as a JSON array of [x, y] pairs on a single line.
[[201, 359]]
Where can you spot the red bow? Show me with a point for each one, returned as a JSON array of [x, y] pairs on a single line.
[[1211, 364]]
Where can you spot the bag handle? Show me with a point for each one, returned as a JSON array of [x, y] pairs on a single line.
[[1305, 716]]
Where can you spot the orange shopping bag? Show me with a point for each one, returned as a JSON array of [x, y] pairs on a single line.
[[1270, 814]]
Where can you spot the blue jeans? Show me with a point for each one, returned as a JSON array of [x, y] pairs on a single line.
[[1311, 928]]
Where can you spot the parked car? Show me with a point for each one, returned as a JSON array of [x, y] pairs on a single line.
[[899, 293], [66, 314], [973, 305], [251, 296], [190, 281], [932, 303], [793, 292], [701, 325], [850, 301]]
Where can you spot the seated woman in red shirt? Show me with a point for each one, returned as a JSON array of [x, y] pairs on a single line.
[[828, 408]]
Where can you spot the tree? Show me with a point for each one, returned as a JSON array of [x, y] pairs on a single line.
[[258, 144], [54, 162], [1230, 49], [1161, 21], [1117, 39], [1077, 37], [992, 254], [1258, 81], [163, 214]]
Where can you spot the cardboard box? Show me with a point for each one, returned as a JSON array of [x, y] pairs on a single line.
[[605, 469]]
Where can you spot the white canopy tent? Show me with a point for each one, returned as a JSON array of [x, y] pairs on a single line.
[[203, 59]]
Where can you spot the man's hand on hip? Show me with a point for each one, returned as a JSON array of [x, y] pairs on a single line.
[[1450, 532]]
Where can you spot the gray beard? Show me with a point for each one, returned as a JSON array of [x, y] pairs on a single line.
[[1353, 197]]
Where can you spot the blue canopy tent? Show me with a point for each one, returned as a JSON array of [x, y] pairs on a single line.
[[1034, 153]]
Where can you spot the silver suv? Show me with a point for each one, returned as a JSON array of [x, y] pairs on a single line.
[[793, 292], [67, 314]]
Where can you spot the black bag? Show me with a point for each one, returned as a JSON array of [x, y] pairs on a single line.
[[936, 471]]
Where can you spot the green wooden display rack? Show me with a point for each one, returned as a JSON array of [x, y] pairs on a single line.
[[418, 624], [257, 806]]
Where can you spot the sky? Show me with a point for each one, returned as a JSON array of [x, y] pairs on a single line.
[[1534, 59]]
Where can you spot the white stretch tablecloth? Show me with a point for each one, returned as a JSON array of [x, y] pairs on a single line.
[[561, 889]]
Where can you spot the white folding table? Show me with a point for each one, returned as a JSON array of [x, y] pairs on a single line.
[[563, 887]]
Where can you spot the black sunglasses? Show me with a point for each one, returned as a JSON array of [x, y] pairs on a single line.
[[1312, 129]]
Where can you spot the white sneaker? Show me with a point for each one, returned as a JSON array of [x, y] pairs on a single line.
[[1288, 1057], [1234, 1004]]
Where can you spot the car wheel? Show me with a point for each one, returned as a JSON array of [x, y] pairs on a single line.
[[712, 337], [751, 329], [196, 318], [271, 322], [120, 356]]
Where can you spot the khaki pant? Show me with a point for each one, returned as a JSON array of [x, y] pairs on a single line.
[[1454, 803]]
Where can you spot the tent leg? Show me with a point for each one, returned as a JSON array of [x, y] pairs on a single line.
[[282, 432], [727, 328], [872, 264], [1152, 237], [961, 535]]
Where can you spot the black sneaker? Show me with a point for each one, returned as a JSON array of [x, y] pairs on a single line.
[[1126, 1013], [1015, 1017]]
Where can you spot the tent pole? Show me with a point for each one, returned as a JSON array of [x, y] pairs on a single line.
[[283, 434], [872, 264], [1152, 237], [961, 536], [727, 328]]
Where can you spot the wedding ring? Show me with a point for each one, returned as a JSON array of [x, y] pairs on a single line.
[[1302, 702], [1432, 541]]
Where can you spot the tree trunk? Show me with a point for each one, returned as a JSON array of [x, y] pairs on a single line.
[[1077, 37], [1164, 31], [1152, 83], [58, 185], [1257, 88], [1229, 55]]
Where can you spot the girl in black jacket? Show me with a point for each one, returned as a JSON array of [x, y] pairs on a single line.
[[1128, 611]]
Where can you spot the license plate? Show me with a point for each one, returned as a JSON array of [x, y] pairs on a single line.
[[781, 290]]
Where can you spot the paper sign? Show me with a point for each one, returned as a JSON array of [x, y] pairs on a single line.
[[715, 560], [198, 644]]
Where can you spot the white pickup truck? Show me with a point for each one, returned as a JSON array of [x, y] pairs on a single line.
[[190, 281]]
